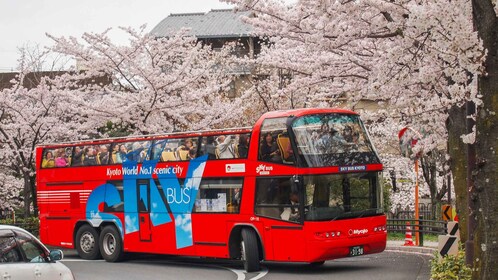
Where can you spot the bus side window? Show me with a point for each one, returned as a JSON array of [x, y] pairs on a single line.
[[274, 199], [219, 195]]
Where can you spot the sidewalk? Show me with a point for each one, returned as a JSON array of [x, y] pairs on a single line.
[[397, 245]]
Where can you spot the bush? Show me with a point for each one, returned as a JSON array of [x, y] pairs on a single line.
[[450, 267], [30, 224]]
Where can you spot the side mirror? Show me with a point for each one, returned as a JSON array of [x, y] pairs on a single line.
[[56, 255]]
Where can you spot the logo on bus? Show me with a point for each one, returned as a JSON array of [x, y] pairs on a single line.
[[139, 185], [235, 168], [358, 231], [263, 169], [352, 168]]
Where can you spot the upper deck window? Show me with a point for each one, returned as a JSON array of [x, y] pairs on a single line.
[[332, 140]]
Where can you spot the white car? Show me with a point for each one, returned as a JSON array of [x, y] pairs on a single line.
[[23, 256]]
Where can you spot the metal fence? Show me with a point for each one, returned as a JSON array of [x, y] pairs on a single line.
[[429, 220]]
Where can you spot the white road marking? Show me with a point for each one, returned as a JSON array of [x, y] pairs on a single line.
[[241, 274]]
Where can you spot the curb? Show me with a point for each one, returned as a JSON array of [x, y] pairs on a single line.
[[413, 249]]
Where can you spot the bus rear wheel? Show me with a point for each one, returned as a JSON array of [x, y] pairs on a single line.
[[87, 245], [111, 244], [249, 250]]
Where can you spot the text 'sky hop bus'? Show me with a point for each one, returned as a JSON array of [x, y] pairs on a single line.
[[300, 186]]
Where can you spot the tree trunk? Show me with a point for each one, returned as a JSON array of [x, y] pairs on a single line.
[[32, 182], [455, 124], [27, 196], [486, 172]]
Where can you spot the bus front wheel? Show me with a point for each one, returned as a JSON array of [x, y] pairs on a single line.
[[87, 245], [111, 244], [249, 250]]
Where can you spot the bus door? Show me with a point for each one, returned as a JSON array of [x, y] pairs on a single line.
[[144, 210], [280, 205]]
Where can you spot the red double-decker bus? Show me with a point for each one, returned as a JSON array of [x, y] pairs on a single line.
[[300, 186]]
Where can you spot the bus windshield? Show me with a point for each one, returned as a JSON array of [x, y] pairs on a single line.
[[332, 140], [341, 196]]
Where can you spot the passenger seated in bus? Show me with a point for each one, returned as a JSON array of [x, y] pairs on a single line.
[[209, 147], [183, 150], [77, 158], [225, 149], [269, 149], [242, 147], [103, 155], [292, 213], [331, 142], [191, 154], [90, 157], [114, 154], [48, 161], [60, 158], [121, 154]]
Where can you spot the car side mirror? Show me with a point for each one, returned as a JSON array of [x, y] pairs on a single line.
[[56, 255]]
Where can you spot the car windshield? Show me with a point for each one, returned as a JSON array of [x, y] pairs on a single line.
[[340, 196], [332, 140]]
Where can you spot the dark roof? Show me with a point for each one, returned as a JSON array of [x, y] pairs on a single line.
[[214, 24]]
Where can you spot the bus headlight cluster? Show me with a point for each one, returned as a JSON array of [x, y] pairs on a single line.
[[328, 234], [380, 228]]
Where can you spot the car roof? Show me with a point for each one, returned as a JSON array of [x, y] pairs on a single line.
[[7, 227]]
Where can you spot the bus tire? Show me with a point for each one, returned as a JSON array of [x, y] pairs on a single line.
[[316, 264], [87, 242], [249, 250], [111, 244]]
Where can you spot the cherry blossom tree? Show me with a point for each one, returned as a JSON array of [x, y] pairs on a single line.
[[32, 111], [150, 85], [155, 84]]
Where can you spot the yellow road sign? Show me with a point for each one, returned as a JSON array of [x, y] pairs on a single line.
[[447, 212]]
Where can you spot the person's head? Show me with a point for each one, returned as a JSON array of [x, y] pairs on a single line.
[[49, 155], [89, 151], [221, 138], [122, 148], [268, 137], [347, 130], [189, 143], [294, 197], [243, 140], [77, 150], [210, 140], [115, 148], [136, 146], [103, 149]]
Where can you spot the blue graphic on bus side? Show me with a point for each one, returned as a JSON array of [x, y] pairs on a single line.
[[181, 200]]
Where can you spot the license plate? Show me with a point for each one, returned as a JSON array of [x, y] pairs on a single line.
[[356, 251]]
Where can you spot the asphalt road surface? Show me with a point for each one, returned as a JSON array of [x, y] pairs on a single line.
[[387, 265]]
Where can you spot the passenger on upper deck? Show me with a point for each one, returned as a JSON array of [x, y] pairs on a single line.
[[269, 149], [48, 161], [243, 146], [225, 147], [61, 160]]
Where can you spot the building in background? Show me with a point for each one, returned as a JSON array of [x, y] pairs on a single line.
[[217, 28]]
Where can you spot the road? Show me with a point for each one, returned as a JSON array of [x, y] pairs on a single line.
[[387, 265]]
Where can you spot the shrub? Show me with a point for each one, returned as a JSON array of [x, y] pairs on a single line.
[[30, 224], [450, 267]]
